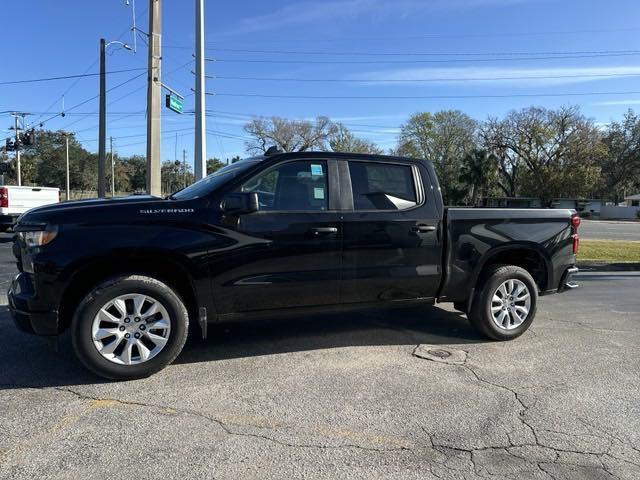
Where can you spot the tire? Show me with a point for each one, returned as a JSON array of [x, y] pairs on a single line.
[[508, 313], [129, 306]]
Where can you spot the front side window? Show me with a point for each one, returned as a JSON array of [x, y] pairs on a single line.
[[378, 186], [299, 185]]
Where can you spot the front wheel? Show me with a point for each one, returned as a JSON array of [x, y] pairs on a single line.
[[129, 327], [505, 306]]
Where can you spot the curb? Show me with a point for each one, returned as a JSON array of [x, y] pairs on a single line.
[[609, 267]]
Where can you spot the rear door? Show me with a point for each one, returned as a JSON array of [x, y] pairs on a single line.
[[289, 252], [391, 233]]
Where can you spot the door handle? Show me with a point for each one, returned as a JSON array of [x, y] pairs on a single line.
[[424, 228], [324, 230]]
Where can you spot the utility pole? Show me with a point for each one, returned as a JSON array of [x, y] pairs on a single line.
[[154, 100], [184, 168], [17, 131], [113, 169], [67, 192], [200, 152], [102, 129]]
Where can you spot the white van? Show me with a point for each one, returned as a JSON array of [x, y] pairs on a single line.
[[14, 201]]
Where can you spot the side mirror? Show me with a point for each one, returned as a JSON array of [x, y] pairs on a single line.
[[240, 203]]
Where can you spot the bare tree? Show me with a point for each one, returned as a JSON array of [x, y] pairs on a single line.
[[546, 153], [444, 138], [344, 140], [289, 135]]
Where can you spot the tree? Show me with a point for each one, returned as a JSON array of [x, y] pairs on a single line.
[[345, 141], [213, 165], [621, 168], [175, 176], [135, 168], [492, 134], [444, 138], [289, 135], [478, 172], [560, 151]]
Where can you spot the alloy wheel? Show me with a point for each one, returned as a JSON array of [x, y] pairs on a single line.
[[131, 329], [510, 304]]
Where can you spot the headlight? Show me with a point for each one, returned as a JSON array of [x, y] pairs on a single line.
[[39, 238]]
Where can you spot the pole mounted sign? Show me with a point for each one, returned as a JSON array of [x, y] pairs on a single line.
[[174, 103]]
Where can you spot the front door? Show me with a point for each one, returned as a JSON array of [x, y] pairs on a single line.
[[392, 245], [289, 252]]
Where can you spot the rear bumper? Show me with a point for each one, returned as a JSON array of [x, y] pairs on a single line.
[[567, 281], [21, 300]]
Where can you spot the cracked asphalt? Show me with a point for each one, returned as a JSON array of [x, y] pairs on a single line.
[[349, 396]]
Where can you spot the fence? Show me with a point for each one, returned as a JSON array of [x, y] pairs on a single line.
[[611, 212], [84, 194]]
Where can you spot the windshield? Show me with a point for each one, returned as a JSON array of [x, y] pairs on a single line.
[[213, 181]]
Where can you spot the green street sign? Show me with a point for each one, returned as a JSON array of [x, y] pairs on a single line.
[[174, 103]]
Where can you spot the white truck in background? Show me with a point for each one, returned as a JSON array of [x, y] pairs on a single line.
[[14, 201]]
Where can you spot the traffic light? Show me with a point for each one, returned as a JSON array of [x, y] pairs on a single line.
[[28, 139], [9, 146], [4, 167]]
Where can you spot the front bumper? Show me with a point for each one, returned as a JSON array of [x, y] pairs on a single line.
[[21, 298]]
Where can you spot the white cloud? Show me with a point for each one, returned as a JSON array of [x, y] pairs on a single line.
[[612, 103], [317, 11], [515, 77]]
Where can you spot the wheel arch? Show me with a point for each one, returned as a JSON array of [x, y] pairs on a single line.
[[163, 266], [531, 257]]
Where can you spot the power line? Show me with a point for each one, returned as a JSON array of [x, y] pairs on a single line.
[[438, 61], [415, 54], [412, 80], [466, 35], [422, 97], [84, 102], [66, 77]]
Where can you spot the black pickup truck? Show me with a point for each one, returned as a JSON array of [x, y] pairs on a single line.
[[276, 234]]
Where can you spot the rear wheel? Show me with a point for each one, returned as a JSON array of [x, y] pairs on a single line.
[[129, 327], [506, 305]]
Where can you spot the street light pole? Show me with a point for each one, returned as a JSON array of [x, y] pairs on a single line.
[[154, 100], [102, 130], [102, 133], [200, 152]]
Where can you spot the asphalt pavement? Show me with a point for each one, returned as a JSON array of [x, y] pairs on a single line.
[[412, 393], [610, 230]]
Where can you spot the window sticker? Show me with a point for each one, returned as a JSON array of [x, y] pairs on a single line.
[[318, 193], [316, 170]]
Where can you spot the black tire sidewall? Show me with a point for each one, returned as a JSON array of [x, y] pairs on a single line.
[[89, 307], [483, 316]]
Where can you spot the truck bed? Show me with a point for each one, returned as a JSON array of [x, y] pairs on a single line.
[[475, 235]]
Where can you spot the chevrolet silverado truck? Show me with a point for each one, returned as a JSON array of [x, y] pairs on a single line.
[[272, 235]]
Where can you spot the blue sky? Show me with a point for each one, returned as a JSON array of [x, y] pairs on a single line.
[[470, 55]]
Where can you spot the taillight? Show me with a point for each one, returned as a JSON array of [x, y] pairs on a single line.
[[575, 223], [4, 197]]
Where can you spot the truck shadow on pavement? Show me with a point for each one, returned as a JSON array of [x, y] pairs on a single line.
[[26, 361]]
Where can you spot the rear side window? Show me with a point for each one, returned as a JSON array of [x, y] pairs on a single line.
[[298, 185], [378, 186]]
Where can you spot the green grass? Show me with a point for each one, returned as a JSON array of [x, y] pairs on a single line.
[[609, 251]]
